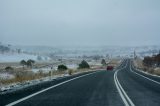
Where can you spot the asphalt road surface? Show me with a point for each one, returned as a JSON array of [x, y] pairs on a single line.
[[122, 86]]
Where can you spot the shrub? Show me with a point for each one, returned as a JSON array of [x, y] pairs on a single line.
[[70, 71], [23, 63], [30, 63], [103, 62], [8, 68], [62, 67], [84, 64], [152, 61]]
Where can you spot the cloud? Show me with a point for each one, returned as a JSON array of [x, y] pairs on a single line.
[[85, 22]]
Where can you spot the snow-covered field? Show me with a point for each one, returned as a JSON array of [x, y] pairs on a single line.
[[72, 66], [47, 69], [44, 70], [5, 76], [17, 86], [16, 57]]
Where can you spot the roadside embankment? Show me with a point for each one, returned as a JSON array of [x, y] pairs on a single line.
[[138, 63]]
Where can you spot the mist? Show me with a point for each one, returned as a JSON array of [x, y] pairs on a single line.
[[84, 22]]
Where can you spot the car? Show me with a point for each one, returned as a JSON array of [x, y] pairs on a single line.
[[109, 67]]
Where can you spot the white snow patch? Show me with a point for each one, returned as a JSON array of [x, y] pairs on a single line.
[[44, 70], [4, 76], [72, 66], [47, 69], [16, 86], [157, 69], [16, 57]]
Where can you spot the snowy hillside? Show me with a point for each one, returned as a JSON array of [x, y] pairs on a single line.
[[16, 57], [9, 53]]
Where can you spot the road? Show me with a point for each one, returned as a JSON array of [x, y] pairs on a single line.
[[142, 89], [123, 86]]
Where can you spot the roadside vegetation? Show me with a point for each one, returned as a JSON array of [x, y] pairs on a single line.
[[153, 61], [84, 65], [9, 68], [28, 63], [23, 73], [103, 62], [114, 62], [62, 67], [150, 64]]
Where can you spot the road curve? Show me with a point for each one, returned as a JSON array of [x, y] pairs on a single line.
[[141, 90], [124, 86]]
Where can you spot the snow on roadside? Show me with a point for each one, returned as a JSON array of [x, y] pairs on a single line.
[[17, 86], [6, 76], [44, 70], [157, 69], [72, 66], [47, 69], [145, 72]]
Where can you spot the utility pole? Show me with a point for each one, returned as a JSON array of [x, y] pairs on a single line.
[[135, 54], [51, 72]]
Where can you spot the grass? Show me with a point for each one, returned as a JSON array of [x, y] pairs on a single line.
[[114, 62], [139, 64], [157, 72], [24, 75]]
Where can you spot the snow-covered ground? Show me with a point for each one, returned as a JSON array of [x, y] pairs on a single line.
[[16, 57], [47, 69], [4, 76], [44, 70], [17, 86], [98, 63], [72, 66]]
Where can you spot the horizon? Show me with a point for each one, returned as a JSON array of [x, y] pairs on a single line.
[[54, 46], [74, 46]]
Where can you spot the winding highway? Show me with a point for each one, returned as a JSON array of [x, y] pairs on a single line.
[[124, 86]]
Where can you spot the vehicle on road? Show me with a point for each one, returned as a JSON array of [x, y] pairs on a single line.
[[109, 67]]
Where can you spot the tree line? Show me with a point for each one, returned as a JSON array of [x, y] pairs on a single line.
[[4, 49], [83, 65], [28, 63]]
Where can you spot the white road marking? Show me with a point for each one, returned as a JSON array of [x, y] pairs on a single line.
[[144, 76], [121, 91], [34, 94], [141, 71], [123, 98]]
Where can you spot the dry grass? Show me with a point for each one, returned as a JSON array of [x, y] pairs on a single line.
[[24, 76], [114, 62], [157, 71], [139, 64]]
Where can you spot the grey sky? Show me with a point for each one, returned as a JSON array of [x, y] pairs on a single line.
[[80, 22]]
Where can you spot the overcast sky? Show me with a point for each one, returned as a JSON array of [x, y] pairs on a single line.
[[80, 22]]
